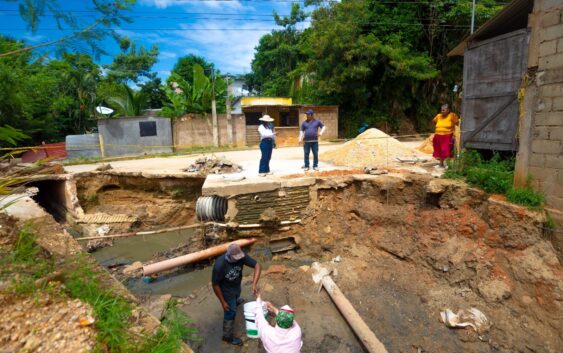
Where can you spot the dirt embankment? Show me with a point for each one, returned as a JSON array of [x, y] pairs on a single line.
[[413, 248], [155, 201]]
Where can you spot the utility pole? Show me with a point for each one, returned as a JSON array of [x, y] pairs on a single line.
[[214, 110], [228, 108], [473, 17]]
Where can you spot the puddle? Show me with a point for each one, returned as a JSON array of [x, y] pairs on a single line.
[[142, 247]]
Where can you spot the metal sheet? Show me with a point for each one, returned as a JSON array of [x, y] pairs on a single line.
[[493, 72]]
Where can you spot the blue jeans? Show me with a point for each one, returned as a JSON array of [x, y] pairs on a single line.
[[232, 312], [311, 146], [266, 146]]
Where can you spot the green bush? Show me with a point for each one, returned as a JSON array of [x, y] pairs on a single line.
[[526, 197], [493, 176]]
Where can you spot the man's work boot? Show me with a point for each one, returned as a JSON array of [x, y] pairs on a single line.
[[240, 301], [228, 333]]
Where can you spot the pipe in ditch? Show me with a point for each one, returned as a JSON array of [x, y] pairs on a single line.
[[193, 257], [211, 208]]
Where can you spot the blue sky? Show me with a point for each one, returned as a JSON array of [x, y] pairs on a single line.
[[224, 32]]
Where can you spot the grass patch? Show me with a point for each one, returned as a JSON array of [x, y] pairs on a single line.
[[175, 328], [112, 312], [26, 264], [525, 197], [494, 176], [28, 267]]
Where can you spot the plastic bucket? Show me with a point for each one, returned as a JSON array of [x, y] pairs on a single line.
[[250, 319]]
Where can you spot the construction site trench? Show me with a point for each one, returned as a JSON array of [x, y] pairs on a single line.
[[402, 248]]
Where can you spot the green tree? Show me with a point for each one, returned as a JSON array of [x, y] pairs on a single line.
[[277, 56], [184, 67], [127, 101], [131, 63], [109, 14], [155, 91], [193, 97], [382, 62]]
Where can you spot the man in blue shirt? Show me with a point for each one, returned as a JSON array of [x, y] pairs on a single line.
[[226, 282], [309, 133]]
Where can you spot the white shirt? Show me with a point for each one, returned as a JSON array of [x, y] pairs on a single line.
[[265, 132]]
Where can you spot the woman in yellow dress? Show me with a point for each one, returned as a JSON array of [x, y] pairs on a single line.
[[444, 141]]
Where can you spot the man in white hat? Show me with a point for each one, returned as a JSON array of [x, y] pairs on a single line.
[[226, 282], [267, 134]]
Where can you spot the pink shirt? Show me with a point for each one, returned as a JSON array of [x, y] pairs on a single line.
[[277, 339]]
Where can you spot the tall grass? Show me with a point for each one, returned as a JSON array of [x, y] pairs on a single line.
[[494, 176]]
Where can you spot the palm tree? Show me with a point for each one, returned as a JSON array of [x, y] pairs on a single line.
[[128, 102]]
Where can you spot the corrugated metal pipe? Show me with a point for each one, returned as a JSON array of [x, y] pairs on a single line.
[[211, 208]]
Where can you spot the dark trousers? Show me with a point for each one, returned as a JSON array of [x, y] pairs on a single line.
[[311, 146], [232, 312], [266, 146]]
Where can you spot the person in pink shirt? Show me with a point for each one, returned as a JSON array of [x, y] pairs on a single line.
[[285, 337]]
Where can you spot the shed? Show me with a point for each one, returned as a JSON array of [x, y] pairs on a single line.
[[287, 118], [495, 62]]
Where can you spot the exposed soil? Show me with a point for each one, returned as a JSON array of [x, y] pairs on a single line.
[[410, 248], [410, 253], [45, 324]]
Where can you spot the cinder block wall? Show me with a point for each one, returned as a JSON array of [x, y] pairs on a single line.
[[196, 130], [541, 130], [122, 136]]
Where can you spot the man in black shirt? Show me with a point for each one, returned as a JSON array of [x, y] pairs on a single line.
[[226, 281]]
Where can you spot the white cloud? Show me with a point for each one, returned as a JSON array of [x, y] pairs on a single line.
[[167, 55], [163, 4], [229, 45]]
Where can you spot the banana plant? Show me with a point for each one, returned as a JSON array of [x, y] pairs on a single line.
[[128, 102]]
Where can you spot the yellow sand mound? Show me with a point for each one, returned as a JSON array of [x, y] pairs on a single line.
[[426, 146], [371, 148]]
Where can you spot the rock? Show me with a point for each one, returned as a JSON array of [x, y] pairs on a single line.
[[494, 291], [134, 267], [268, 288], [156, 307], [327, 229], [527, 300], [304, 268], [276, 269], [31, 343], [104, 167]]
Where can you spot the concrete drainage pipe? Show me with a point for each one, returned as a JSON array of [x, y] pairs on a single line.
[[211, 208]]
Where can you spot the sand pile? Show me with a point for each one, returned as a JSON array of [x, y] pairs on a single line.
[[371, 148], [426, 146]]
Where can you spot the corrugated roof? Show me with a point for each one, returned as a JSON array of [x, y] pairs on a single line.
[[513, 17]]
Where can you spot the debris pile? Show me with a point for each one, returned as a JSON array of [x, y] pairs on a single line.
[[213, 165], [371, 148]]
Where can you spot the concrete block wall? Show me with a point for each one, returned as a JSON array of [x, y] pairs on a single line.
[[122, 136], [541, 148], [195, 130]]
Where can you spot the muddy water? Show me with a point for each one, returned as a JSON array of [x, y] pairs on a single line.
[[142, 247]]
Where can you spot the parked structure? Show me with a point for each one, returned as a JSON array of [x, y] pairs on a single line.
[[513, 92], [288, 117]]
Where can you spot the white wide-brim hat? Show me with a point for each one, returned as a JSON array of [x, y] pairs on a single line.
[[266, 118]]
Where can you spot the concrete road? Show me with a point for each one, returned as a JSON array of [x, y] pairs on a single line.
[[285, 160]]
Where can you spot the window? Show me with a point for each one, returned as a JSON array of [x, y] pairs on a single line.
[[147, 128]]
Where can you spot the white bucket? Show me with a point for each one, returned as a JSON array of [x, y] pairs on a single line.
[[250, 319]]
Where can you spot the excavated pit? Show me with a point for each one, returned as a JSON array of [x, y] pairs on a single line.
[[410, 246]]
